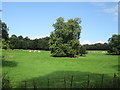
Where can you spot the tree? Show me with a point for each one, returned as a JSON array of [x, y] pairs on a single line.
[[82, 50], [114, 44], [4, 37], [43, 43], [0, 30], [64, 40], [96, 46], [21, 44], [25, 43], [5, 44], [13, 42], [0, 34], [5, 29]]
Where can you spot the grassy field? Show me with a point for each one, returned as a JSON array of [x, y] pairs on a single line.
[[24, 65]]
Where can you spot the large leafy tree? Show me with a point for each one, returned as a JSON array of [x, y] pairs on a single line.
[[64, 40], [0, 30], [114, 44], [5, 29], [4, 36]]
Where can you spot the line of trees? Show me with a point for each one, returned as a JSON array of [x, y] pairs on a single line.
[[18, 42], [96, 46], [63, 41], [26, 43]]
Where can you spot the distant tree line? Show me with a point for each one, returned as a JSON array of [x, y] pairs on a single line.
[[96, 46], [18, 42], [63, 41]]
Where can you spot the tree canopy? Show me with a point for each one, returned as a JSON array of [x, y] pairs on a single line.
[[96, 46], [114, 44], [64, 40], [5, 29], [4, 36], [19, 42]]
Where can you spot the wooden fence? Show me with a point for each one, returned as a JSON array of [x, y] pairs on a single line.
[[74, 81]]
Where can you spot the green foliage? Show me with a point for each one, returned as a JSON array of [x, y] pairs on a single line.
[[96, 46], [4, 35], [114, 44], [19, 42], [0, 30], [26, 43], [82, 50], [4, 31], [5, 44], [64, 40]]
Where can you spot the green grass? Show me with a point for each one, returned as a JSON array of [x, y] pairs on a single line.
[[23, 65]]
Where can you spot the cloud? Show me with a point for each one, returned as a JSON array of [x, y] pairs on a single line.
[[86, 42], [99, 4], [89, 42], [105, 9], [100, 42], [32, 38], [113, 10]]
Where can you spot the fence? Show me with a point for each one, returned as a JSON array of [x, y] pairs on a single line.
[[73, 81]]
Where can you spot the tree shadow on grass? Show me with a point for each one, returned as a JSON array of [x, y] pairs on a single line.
[[69, 79], [117, 67], [6, 63], [112, 54]]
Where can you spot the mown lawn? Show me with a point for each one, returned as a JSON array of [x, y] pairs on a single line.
[[24, 65]]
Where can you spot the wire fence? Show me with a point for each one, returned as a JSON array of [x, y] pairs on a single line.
[[73, 81]]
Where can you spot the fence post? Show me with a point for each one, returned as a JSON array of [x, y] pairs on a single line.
[[71, 81], [7, 84], [88, 82], [48, 82], [65, 82], [34, 84], [102, 80], [114, 80], [118, 81], [25, 84]]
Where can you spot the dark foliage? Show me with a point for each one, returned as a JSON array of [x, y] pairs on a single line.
[[26, 43], [64, 40], [114, 44], [97, 46]]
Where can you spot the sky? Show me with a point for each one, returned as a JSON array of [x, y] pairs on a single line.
[[35, 19]]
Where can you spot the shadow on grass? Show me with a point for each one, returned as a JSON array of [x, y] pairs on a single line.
[[117, 67], [70, 79], [8, 63], [113, 54], [67, 56]]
